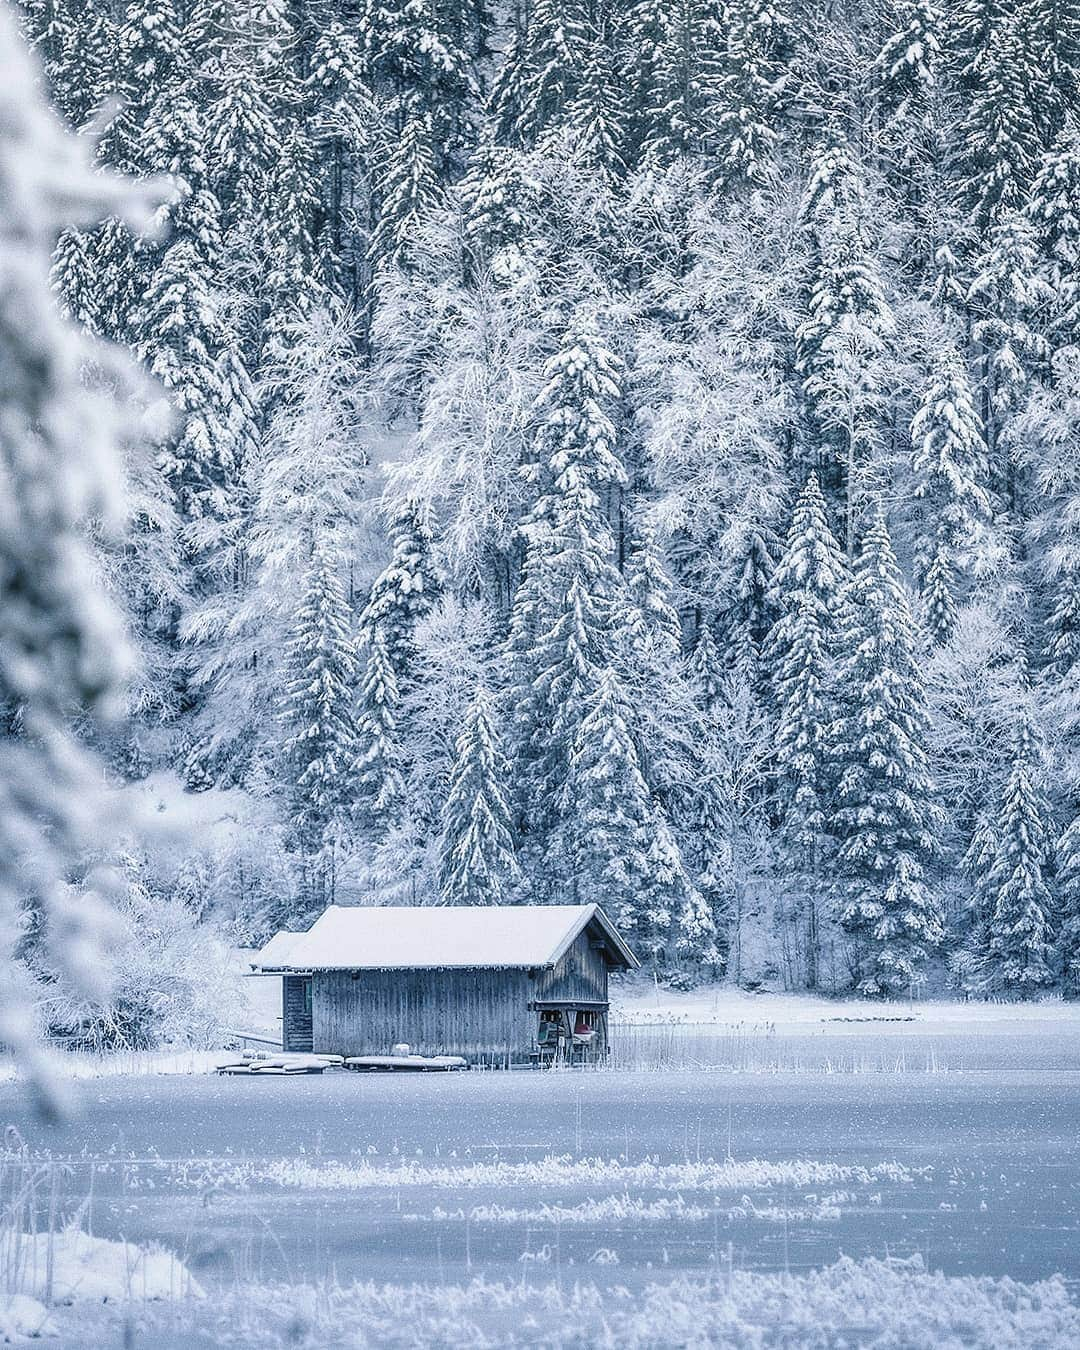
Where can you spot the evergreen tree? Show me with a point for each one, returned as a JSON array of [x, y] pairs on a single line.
[[315, 712], [478, 863], [807, 588], [652, 667], [301, 484], [842, 341], [405, 590], [950, 472], [557, 47], [938, 595], [758, 40], [596, 115], [1055, 220], [615, 843], [1005, 297], [1015, 900], [998, 133], [886, 817], [565, 619], [908, 63], [410, 189], [1067, 889], [179, 335], [378, 785], [747, 618], [644, 35], [75, 42], [62, 646]]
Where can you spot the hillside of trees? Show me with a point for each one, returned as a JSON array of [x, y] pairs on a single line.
[[618, 452]]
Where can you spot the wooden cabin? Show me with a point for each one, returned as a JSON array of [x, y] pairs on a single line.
[[499, 985]]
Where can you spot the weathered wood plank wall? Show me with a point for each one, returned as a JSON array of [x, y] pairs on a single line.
[[581, 973], [481, 1014]]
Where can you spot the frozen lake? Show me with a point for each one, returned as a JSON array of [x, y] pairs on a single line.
[[434, 1177]]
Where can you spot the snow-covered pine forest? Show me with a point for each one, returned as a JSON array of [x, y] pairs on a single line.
[[620, 452]]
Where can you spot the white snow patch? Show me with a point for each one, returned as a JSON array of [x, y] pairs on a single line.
[[121, 1064], [70, 1266], [22, 1318]]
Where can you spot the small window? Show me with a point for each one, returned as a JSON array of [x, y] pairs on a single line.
[[307, 997]]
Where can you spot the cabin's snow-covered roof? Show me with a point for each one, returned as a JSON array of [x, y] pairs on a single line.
[[397, 937], [277, 950]]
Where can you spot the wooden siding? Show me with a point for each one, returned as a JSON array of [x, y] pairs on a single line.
[[481, 1014], [581, 973], [296, 1031]]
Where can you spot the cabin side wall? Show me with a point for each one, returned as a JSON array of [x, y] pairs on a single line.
[[481, 1014], [580, 973]]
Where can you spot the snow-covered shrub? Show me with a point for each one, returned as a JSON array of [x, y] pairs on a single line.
[[171, 981]]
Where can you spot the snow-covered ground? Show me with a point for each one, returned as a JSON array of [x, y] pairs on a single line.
[[641, 1000], [529, 1208]]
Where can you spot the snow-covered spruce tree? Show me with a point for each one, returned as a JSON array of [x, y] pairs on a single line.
[[807, 590], [1044, 439], [938, 597], [343, 119], [411, 54], [180, 336], [651, 663], [410, 188], [998, 134], [691, 70], [303, 484], [616, 845], [1015, 934], [886, 819], [1006, 298], [950, 470], [405, 590], [1067, 898], [758, 40], [75, 41], [315, 711], [597, 115], [564, 623], [296, 270], [842, 342], [747, 617], [243, 138], [478, 862], [377, 784], [642, 38], [1051, 208], [61, 648], [909, 63], [555, 54]]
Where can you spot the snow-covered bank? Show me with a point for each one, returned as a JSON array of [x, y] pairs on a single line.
[[41, 1272], [70, 1266], [874, 1302], [640, 1001]]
